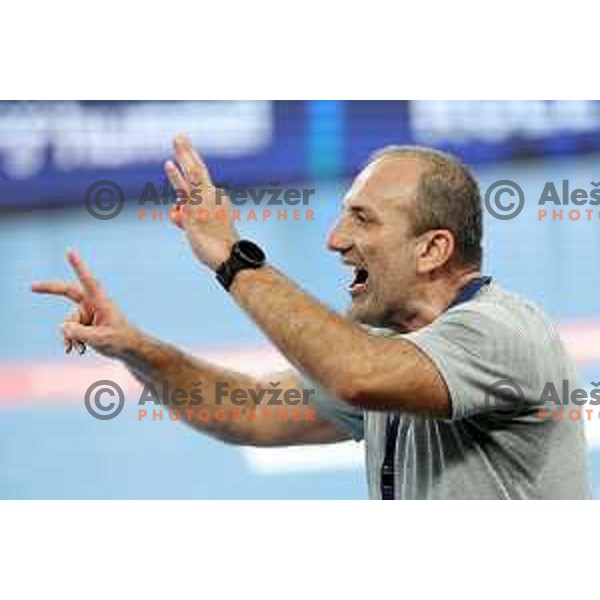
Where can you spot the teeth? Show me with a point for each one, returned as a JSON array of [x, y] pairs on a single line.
[[360, 276]]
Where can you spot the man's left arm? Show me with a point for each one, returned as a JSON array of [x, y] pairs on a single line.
[[373, 372]]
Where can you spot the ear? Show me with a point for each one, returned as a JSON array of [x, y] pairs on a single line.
[[434, 249]]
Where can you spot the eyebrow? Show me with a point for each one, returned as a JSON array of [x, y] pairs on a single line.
[[360, 208], [354, 205], [355, 208]]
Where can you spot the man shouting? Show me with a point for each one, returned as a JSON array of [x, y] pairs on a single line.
[[419, 365]]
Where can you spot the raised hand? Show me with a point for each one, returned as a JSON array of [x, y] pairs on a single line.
[[96, 320], [207, 224]]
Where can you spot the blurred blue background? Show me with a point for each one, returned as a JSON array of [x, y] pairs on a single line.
[[51, 152]]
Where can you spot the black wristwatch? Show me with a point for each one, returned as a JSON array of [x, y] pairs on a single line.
[[244, 255]]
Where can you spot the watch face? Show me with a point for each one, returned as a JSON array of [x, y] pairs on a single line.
[[250, 252]]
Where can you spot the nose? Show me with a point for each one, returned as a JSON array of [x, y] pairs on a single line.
[[338, 240]]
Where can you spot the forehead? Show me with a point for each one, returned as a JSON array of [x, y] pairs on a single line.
[[386, 183]]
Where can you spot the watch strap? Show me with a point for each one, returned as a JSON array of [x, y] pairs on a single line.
[[236, 262]]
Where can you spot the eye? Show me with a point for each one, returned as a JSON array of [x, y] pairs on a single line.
[[361, 217]]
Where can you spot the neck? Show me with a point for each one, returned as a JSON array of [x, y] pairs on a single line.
[[431, 299]]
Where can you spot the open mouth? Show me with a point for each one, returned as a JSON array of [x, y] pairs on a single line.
[[359, 285]]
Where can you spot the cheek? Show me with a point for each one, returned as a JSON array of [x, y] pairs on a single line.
[[398, 263], [409, 258]]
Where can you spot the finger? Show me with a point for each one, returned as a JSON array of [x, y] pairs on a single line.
[[80, 333], [85, 276], [185, 216], [72, 291], [175, 216], [85, 317], [179, 183], [73, 317], [194, 167], [176, 177]]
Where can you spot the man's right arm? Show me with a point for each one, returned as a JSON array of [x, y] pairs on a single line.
[[241, 421], [98, 322]]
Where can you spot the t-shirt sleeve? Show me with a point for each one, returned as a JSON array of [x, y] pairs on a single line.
[[487, 362], [345, 417]]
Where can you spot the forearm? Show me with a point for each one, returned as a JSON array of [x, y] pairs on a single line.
[[364, 370], [327, 347], [155, 363]]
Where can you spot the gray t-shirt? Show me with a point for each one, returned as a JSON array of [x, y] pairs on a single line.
[[495, 445]]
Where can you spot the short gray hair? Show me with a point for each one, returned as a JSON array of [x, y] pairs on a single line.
[[448, 197]]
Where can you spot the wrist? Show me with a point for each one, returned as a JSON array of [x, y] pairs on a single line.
[[245, 256], [223, 256]]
